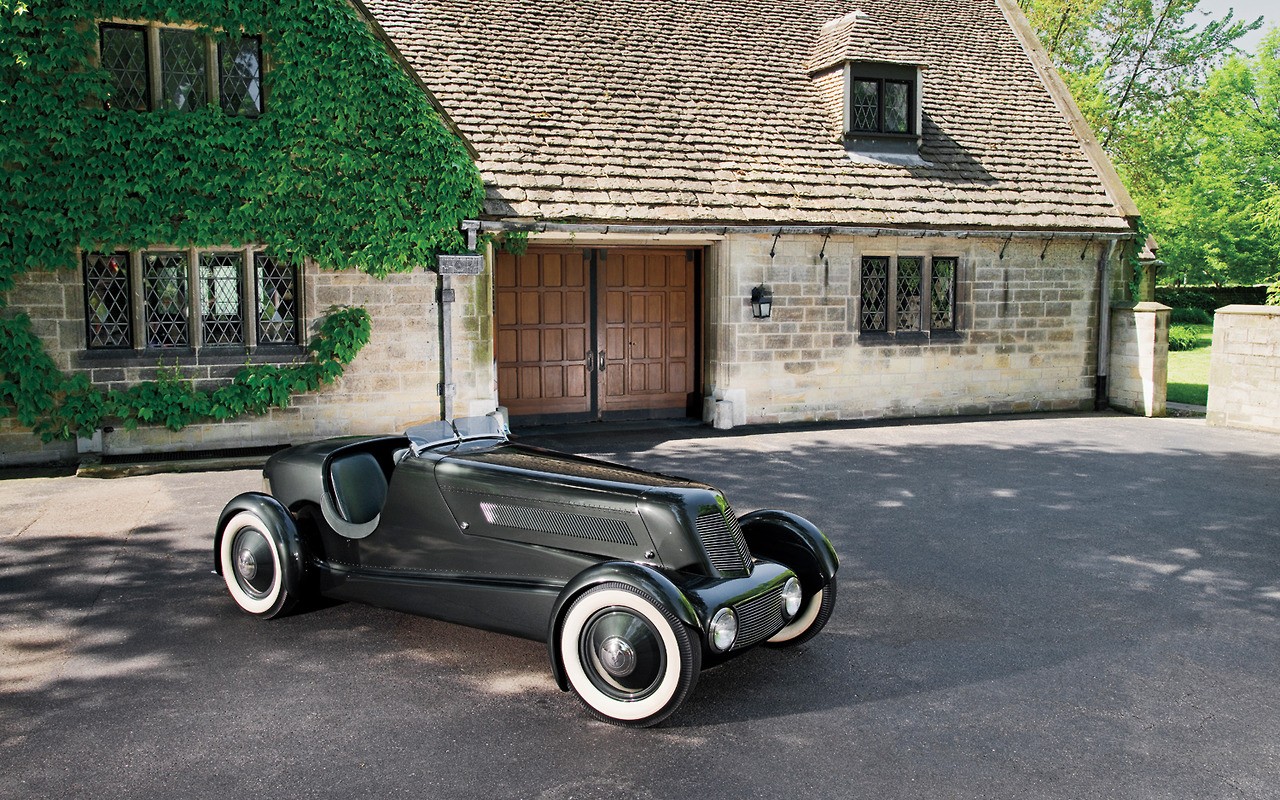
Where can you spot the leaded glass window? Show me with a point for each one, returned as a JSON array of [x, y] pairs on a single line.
[[943, 295], [908, 293], [895, 289], [240, 76], [220, 301], [875, 293], [107, 292], [866, 105], [165, 295], [124, 57], [897, 106], [277, 300], [184, 78], [183, 65], [882, 104]]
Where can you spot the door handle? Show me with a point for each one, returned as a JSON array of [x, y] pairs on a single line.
[[601, 357], [591, 361]]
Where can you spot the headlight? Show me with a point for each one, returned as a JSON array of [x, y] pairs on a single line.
[[724, 629], [791, 597]]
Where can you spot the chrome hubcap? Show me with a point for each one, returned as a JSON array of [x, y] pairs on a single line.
[[617, 656], [246, 565]]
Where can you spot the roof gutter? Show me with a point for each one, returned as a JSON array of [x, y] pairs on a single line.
[[498, 226]]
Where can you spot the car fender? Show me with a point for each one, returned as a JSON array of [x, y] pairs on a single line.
[[273, 513], [794, 542], [638, 576]]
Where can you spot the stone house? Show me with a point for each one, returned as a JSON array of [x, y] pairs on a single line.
[[908, 179], [905, 183]]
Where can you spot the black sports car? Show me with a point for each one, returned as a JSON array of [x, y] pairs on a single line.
[[635, 580]]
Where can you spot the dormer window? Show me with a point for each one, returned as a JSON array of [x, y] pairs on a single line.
[[869, 83], [881, 110], [881, 105]]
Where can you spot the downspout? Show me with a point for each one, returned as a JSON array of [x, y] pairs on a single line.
[[447, 388], [1100, 398]]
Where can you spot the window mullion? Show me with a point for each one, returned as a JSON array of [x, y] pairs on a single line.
[[137, 301], [212, 82], [880, 98], [153, 66], [249, 300], [891, 297], [926, 294], [195, 318]]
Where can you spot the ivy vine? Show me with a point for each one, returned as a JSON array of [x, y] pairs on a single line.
[[60, 406], [349, 164]]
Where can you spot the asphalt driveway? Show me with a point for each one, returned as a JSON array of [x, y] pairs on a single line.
[[1052, 607]]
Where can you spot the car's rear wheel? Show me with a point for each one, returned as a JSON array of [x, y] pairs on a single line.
[[815, 610], [251, 554], [629, 659]]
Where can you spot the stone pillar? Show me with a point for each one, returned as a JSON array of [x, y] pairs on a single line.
[[1244, 369], [1139, 358]]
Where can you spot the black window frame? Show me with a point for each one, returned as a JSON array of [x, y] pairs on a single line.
[[213, 74], [262, 79], [147, 95], [891, 312], [89, 337], [880, 83], [149, 329]]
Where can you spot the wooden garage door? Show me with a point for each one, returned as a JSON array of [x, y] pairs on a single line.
[[598, 332]]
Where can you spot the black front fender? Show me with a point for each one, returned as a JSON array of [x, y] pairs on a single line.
[[794, 542], [638, 576], [275, 515]]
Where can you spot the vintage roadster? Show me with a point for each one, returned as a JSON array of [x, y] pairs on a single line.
[[636, 581]]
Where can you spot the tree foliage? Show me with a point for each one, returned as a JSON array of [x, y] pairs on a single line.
[[1216, 210], [1157, 82]]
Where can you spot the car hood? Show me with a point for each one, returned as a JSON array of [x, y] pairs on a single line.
[[531, 463]]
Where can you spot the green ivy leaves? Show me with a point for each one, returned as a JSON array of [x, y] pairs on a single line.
[[58, 406], [349, 164]]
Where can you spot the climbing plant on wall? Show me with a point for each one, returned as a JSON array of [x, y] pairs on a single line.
[[348, 164]]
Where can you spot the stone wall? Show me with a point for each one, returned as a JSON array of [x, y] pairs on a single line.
[[391, 385], [1026, 338], [1139, 358], [1244, 368]]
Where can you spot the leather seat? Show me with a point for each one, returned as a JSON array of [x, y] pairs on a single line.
[[359, 487]]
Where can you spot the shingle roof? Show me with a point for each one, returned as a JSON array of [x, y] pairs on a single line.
[[703, 111], [858, 36]]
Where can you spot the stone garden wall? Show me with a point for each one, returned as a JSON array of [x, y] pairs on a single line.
[[1244, 368]]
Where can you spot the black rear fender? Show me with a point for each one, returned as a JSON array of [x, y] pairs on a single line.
[[278, 518]]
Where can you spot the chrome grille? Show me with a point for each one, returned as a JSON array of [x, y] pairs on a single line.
[[759, 618], [721, 537], [600, 529]]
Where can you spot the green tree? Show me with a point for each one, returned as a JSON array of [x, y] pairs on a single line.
[[1218, 215], [1139, 69]]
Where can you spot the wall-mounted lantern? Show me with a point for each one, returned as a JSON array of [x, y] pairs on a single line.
[[761, 302]]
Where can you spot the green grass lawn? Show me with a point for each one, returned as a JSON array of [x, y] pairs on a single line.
[[1189, 370]]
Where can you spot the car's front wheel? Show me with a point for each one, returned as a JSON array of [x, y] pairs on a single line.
[[251, 554], [815, 610], [629, 659]]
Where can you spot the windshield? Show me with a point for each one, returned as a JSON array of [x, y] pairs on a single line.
[[444, 432]]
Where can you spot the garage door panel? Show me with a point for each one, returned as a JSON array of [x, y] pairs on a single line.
[[551, 318]]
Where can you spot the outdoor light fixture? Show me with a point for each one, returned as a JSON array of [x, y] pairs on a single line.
[[761, 302]]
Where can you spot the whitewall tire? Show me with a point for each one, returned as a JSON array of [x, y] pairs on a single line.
[[629, 659], [251, 556], [814, 613]]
